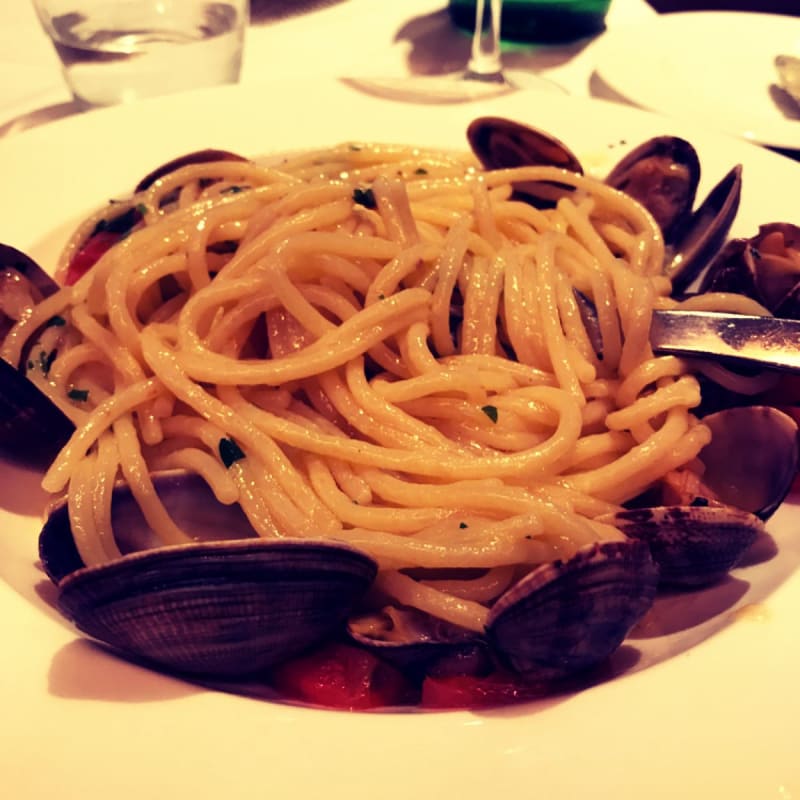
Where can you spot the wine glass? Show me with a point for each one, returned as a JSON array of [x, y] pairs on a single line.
[[486, 60]]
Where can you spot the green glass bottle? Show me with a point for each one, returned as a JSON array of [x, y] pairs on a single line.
[[546, 21]]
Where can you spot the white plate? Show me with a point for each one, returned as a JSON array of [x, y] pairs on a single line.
[[711, 67], [717, 720]]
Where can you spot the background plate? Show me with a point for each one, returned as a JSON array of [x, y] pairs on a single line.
[[719, 719], [666, 64]]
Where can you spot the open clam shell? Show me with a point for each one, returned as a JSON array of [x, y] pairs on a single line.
[[219, 609], [750, 465], [568, 616], [765, 267], [196, 157], [700, 238], [502, 143], [32, 428], [22, 282], [752, 459], [225, 604], [419, 644], [191, 505], [662, 174]]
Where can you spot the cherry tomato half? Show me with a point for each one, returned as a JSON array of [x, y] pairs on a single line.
[[472, 692], [342, 676], [89, 255]]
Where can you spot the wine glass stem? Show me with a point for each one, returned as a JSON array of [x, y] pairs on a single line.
[[485, 62]]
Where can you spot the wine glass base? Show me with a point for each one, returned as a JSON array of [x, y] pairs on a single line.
[[522, 79], [456, 88]]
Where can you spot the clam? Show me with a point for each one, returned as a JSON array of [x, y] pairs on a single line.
[[222, 609], [420, 644], [765, 266], [191, 504], [692, 545], [662, 174], [208, 608], [501, 143], [196, 157], [32, 428], [704, 233], [562, 618], [568, 616], [23, 283], [749, 467], [760, 476]]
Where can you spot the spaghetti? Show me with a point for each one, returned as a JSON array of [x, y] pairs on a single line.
[[375, 344]]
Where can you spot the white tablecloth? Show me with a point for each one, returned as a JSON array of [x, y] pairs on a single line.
[[326, 38]]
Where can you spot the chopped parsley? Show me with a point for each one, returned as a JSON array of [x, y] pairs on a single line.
[[364, 197], [463, 525], [232, 190], [229, 452], [55, 322], [81, 395], [121, 224], [223, 247], [491, 412], [46, 360]]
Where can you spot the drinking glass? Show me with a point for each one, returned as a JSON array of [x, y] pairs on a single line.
[[116, 51]]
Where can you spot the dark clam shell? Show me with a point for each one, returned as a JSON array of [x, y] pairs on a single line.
[[692, 545], [219, 609], [16, 267], [752, 459], [196, 157], [32, 428], [662, 174], [502, 143], [749, 467], [701, 237], [764, 267], [568, 616], [224, 605]]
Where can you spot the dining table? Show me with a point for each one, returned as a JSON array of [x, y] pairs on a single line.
[[366, 40], [77, 722]]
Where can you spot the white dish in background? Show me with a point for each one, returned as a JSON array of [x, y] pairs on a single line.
[[713, 67], [718, 719]]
